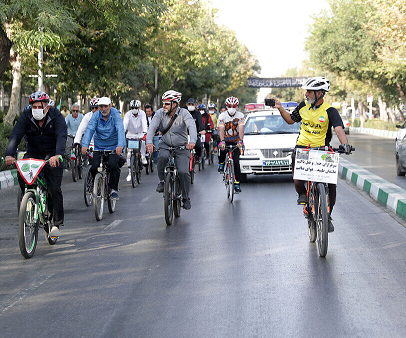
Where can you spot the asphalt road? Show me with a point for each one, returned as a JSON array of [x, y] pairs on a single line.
[[377, 155], [245, 269]]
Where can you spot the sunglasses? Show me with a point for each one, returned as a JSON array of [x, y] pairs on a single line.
[[232, 106], [75, 111], [166, 103]]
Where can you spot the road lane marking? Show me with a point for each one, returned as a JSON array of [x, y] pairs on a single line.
[[113, 225], [20, 295]]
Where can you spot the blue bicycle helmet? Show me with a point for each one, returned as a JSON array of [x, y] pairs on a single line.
[[212, 105], [201, 106]]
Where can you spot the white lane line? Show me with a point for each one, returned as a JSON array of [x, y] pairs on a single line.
[[20, 295], [113, 225], [145, 199]]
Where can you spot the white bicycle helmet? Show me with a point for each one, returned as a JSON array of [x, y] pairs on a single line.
[[134, 104], [317, 83], [232, 101], [172, 96]]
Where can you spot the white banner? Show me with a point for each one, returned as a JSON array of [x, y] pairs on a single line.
[[316, 166], [29, 169]]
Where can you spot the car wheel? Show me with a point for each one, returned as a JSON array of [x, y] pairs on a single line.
[[399, 170]]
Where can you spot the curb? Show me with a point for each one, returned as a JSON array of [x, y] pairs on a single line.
[[376, 132], [387, 194], [8, 178]]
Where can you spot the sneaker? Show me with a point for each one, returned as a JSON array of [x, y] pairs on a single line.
[[114, 195], [186, 204], [221, 167], [128, 178], [237, 188], [302, 199], [330, 224], [55, 232], [160, 187], [143, 160]]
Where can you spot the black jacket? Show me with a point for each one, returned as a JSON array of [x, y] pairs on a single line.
[[44, 142], [197, 116]]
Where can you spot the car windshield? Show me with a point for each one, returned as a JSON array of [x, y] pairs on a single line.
[[272, 124]]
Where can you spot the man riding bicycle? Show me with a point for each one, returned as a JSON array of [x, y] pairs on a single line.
[[94, 107], [108, 129], [208, 125], [231, 132], [175, 123], [135, 124], [317, 118], [191, 106], [45, 130]]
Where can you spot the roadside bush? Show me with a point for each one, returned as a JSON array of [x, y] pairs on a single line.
[[5, 132], [375, 124]]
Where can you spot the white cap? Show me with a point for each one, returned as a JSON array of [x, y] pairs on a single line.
[[104, 101]]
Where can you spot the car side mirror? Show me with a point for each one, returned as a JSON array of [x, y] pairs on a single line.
[[398, 126]]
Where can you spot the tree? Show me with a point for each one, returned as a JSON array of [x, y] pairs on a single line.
[[29, 25]]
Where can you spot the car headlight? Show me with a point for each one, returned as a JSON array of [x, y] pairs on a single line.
[[250, 152]]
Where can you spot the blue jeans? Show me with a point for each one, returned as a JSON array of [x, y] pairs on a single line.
[[155, 142]]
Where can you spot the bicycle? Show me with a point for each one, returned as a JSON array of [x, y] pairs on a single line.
[[210, 154], [33, 212], [202, 159], [78, 163], [149, 167], [317, 207], [229, 174], [88, 181], [136, 165], [192, 165], [172, 189], [101, 189]]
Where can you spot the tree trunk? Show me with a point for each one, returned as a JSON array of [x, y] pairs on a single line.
[[352, 110], [403, 97], [392, 115], [383, 114], [361, 113], [15, 98], [5, 46]]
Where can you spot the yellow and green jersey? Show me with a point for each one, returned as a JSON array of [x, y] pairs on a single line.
[[316, 124]]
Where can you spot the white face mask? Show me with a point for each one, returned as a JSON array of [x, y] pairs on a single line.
[[202, 112], [231, 111], [38, 114], [191, 108], [135, 113]]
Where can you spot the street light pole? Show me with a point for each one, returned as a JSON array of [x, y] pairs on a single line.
[[40, 74]]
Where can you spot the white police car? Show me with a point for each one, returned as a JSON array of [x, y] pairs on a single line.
[[269, 142]]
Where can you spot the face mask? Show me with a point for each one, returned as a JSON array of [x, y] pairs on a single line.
[[202, 112], [191, 108], [231, 111], [38, 114], [136, 112]]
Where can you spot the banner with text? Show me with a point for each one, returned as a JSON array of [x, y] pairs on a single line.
[[277, 82], [316, 166]]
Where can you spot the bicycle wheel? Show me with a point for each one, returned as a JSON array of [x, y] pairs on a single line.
[[19, 198], [151, 164], [88, 187], [147, 166], [75, 173], [111, 203], [168, 198], [132, 170], [81, 166], [98, 196], [178, 197], [231, 181], [192, 169], [28, 225], [138, 166], [311, 224], [322, 220], [203, 160]]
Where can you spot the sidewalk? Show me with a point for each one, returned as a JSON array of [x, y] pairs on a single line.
[[8, 178], [388, 194], [376, 132]]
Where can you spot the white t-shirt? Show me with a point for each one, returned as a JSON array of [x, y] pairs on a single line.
[[231, 125], [82, 128], [136, 126]]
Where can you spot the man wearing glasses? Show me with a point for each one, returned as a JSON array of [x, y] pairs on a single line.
[[72, 122], [176, 124], [82, 127]]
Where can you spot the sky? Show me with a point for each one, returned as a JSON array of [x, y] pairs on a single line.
[[274, 31]]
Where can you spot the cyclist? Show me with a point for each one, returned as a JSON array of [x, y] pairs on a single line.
[[208, 124], [231, 132], [317, 118], [214, 116], [135, 124], [83, 124], [180, 124], [108, 129], [191, 106], [45, 130], [149, 111], [72, 122]]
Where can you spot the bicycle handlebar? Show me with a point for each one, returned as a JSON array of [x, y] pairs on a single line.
[[339, 150]]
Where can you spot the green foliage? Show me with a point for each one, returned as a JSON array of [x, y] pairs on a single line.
[[375, 124], [5, 132]]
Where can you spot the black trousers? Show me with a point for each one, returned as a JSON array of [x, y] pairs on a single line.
[[114, 168], [236, 158], [53, 177], [198, 146]]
